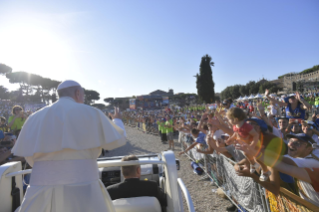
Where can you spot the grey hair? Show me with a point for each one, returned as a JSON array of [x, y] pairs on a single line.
[[70, 91]]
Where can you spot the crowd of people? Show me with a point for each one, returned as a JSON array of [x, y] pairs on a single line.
[[13, 115], [275, 139]]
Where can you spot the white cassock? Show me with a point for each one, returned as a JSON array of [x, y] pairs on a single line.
[[62, 143]]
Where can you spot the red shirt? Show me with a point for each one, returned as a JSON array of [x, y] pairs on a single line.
[[244, 130], [251, 108]]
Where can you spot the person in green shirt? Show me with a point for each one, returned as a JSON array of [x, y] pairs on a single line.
[[162, 130], [170, 131], [317, 102], [16, 121]]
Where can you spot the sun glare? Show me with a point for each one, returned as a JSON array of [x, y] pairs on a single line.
[[34, 50]]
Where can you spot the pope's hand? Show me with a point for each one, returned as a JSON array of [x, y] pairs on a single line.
[[117, 114]]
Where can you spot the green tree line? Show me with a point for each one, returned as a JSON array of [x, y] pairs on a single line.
[[252, 87], [35, 88]]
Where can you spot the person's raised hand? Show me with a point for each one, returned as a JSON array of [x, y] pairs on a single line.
[[117, 113], [204, 116], [266, 92], [297, 96]]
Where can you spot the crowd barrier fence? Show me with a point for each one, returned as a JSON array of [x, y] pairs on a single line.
[[244, 192]]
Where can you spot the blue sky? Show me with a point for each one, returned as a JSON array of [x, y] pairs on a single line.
[[132, 47]]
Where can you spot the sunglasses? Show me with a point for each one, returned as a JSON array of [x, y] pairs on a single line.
[[297, 143]]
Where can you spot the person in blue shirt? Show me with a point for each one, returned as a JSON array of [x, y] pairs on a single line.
[[295, 105], [199, 138]]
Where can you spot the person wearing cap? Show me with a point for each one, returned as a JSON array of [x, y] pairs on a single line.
[[227, 103], [309, 128], [303, 165], [62, 142], [295, 105]]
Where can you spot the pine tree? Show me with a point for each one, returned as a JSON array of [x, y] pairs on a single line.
[[204, 80]]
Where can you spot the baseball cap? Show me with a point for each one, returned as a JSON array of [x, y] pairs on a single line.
[[226, 101], [302, 137], [282, 117], [263, 126], [217, 135]]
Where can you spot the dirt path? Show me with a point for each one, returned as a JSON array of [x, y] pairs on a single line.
[[200, 190]]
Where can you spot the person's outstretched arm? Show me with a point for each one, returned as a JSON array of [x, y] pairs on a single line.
[[274, 100], [117, 119]]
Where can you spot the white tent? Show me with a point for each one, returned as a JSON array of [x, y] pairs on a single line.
[[240, 98], [251, 97], [245, 98], [258, 96]]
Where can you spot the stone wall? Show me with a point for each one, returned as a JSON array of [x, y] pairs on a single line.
[[288, 80]]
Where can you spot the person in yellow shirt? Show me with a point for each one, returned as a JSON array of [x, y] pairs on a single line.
[[3, 125], [219, 106], [17, 119]]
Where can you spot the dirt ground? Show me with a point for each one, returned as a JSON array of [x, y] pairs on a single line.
[[200, 189]]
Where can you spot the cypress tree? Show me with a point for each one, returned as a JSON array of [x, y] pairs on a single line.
[[204, 80]]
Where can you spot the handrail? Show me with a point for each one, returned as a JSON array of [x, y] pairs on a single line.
[[101, 164], [11, 174], [187, 196]]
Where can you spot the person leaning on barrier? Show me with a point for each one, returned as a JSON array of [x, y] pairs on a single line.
[[306, 171], [62, 142], [134, 187], [6, 145], [270, 145]]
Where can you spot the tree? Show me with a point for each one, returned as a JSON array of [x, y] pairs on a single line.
[[99, 106], [5, 69], [90, 96], [204, 80], [109, 100], [4, 94]]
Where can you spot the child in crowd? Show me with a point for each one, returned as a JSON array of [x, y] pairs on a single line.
[[245, 132]]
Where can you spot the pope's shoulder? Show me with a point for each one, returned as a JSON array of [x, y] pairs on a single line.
[[66, 105]]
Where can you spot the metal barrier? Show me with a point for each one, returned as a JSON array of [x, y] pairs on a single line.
[[242, 191], [246, 194]]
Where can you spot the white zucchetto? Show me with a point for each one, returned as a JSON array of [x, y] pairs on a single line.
[[67, 84]]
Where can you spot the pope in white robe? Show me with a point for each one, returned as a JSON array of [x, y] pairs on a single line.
[[62, 142]]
